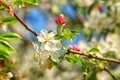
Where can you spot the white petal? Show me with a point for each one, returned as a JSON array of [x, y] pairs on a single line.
[[44, 55], [52, 34], [36, 47], [41, 38], [55, 41], [44, 32], [54, 56], [48, 46], [56, 46]]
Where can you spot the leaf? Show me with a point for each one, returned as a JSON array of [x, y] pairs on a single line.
[[6, 46], [18, 2], [68, 34], [53, 63], [10, 36], [2, 7], [58, 36], [95, 50], [74, 32], [91, 7], [33, 2], [3, 54], [9, 20], [74, 58]]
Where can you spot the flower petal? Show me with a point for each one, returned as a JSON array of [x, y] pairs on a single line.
[[44, 32], [52, 34], [41, 38], [54, 56], [44, 55]]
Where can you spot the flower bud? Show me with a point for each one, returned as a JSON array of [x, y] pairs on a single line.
[[10, 10], [75, 48], [60, 19]]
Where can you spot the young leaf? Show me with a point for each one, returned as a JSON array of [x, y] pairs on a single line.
[[3, 54], [10, 36], [33, 2], [95, 50], [9, 20], [58, 36], [18, 2], [74, 32], [6, 46], [74, 58], [68, 34]]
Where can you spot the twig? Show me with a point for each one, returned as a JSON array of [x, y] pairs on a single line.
[[95, 57], [18, 18], [109, 73]]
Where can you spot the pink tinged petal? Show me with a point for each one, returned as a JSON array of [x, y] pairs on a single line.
[[74, 47]]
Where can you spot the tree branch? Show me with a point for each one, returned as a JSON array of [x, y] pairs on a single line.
[[95, 57], [18, 18], [105, 69]]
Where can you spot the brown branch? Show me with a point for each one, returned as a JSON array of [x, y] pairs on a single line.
[[18, 18], [105, 69], [95, 57]]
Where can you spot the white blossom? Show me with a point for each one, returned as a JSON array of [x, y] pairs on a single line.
[[48, 41]]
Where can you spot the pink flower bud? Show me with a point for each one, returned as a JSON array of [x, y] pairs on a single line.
[[75, 48], [10, 10], [60, 19]]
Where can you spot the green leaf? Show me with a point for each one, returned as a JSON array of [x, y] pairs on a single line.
[[2, 7], [91, 7], [9, 20], [68, 34], [3, 54], [53, 63], [95, 50], [18, 2], [74, 58], [6, 46], [74, 32], [58, 36], [33, 2], [10, 36]]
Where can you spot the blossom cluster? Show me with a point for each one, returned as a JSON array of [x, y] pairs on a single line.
[[48, 48], [109, 44]]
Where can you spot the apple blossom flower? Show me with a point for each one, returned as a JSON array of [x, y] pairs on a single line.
[[75, 48], [47, 40], [60, 19]]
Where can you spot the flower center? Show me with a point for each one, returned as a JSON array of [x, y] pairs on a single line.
[[47, 38]]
